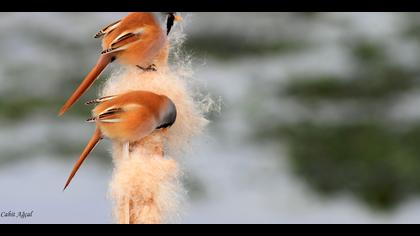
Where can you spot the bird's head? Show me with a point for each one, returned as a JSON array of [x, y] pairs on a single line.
[[171, 18]]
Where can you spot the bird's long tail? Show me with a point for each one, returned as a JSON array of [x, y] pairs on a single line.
[[103, 61], [97, 136]]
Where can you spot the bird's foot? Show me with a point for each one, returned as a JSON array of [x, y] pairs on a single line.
[[152, 67]]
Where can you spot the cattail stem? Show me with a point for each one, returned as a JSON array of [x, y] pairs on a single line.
[[146, 186], [126, 156], [144, 181]]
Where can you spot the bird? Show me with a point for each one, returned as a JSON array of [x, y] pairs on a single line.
[[171, 18], [127, 118], [136, 40]]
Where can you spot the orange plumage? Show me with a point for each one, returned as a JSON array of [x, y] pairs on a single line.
[[128, 118], [136, 40]]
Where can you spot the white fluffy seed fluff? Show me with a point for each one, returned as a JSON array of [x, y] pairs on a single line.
[[146, 186]]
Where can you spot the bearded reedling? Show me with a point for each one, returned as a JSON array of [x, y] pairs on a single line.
[[127, 118], [136, 40]]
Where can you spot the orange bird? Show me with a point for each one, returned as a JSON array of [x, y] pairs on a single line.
[[137, 40], [127, 118]]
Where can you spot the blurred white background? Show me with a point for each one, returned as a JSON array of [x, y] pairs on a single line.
[[232, 176]]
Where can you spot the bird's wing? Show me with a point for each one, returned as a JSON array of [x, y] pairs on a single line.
[[110, 115], [123, 40], [110, 112], [107, 29], [100, 100]]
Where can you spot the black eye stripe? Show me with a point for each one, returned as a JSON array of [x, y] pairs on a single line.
[[170, 22], [170, 117]]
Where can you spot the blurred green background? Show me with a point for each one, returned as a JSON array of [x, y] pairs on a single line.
[[319, 120]]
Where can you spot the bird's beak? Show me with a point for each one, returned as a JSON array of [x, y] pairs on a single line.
[[103, 61], [97, 136], [178, 18]]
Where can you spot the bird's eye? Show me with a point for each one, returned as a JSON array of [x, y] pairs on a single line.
[[113, 59]]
